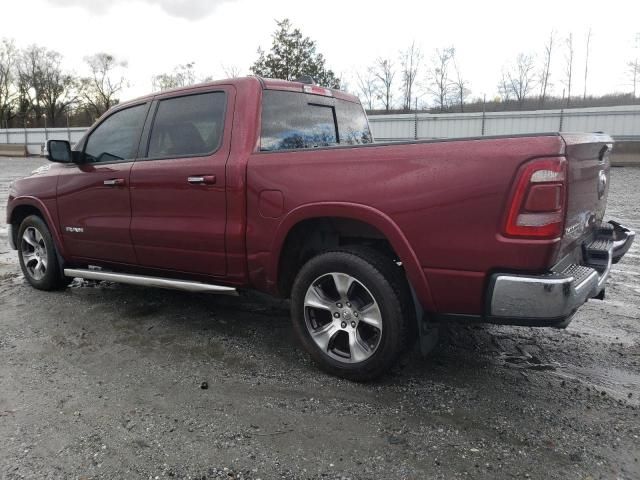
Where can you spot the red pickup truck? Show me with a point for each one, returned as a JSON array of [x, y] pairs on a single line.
[[278, 186]]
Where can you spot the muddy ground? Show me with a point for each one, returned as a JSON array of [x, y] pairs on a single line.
[[104, 381]]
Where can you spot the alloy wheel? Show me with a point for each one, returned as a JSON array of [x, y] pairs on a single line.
[[343, 317], [34, 253]]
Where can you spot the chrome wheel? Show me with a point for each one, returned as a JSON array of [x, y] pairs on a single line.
[[343, 317], [34, 253]]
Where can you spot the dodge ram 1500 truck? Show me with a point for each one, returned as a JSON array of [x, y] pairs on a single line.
[[278, 186]]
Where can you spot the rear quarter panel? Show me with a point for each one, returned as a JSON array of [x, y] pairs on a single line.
[[445, 198]]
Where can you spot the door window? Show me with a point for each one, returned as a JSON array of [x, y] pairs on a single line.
[[295, 120], [116, 138], [188, 126]]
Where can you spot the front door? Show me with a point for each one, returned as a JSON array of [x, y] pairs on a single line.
[[94, 208], [178, 197]]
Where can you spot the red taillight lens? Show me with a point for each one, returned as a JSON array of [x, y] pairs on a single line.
[[537, 207]]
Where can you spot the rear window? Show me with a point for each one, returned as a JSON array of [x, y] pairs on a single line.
[[297, 120], [187, 126]]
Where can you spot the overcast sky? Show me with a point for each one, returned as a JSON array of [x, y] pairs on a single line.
[[153, 36]]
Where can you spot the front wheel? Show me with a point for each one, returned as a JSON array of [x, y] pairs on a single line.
[[38, 257], [351, 310]]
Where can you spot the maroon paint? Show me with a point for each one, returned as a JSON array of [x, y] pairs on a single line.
[[103, 212], [441, 205], [176, 225]]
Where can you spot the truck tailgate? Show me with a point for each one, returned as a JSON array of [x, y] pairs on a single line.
[[587, 186]]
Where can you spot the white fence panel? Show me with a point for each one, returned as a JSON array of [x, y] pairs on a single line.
[[35, 139], [527, 122], [620, 122], [449, 126], [393, 127]]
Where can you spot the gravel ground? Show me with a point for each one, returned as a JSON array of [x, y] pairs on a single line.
[[105, 381]]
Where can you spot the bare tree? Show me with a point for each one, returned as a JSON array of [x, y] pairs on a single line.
[[345, 83], [634, 66], [384, 72], [8, 60], [56, 87], [231, 71], [28, 70], [461, 85], [520, 77], [163, 81], [440, 85], [586, 65], [569, 66], [634, 73], [410, 60], [100, 90], [367, 88], [546, 69], [182, 76], [503, 88]]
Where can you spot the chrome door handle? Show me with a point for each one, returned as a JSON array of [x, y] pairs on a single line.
[[114, 182], [202, 179]]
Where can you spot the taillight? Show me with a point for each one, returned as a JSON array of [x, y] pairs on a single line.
[[537, 207]]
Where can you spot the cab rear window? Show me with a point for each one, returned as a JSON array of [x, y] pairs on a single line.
[[293, 120]]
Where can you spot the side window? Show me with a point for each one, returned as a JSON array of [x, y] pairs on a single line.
[[353, 125], [187, 126], [117, 137], [292, 120]]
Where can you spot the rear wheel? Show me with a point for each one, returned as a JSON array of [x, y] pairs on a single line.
[[351, 311], [38, 256]]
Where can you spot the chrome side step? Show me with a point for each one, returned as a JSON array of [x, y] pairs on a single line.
[[146, 281]]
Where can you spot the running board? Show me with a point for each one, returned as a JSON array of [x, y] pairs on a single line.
[[146, 281]]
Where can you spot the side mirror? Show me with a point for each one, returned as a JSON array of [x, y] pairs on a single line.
[[59, 151]]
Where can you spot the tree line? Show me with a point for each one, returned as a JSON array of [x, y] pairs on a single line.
[[36, 91], [436, 82]]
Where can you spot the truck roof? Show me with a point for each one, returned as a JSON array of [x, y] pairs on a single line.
[[265, 83]]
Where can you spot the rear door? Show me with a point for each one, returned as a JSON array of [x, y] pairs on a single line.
[[178, 197], [94, 209]]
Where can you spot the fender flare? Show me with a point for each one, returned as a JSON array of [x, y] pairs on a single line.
[[361, 213], [44, 211]]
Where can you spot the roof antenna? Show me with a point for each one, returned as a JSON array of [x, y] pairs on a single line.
[[307, 79]]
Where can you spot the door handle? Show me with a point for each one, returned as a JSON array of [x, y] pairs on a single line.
[[202, 179], [114, 182]]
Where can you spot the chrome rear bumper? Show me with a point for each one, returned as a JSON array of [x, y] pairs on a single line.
[[553, 297]]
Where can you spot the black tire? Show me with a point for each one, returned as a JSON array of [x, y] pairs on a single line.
[[384, 281], [51, 278]]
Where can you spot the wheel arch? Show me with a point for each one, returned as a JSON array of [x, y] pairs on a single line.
[[23, 207], [376, 225]]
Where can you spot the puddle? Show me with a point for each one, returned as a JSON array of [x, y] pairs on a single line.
[[608, 335], [617, 383]]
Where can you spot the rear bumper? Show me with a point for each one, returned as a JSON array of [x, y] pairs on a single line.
[[552, 298], [622, 241]]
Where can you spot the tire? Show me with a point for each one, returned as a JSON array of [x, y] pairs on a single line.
[[38, 255], [352, 311]]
